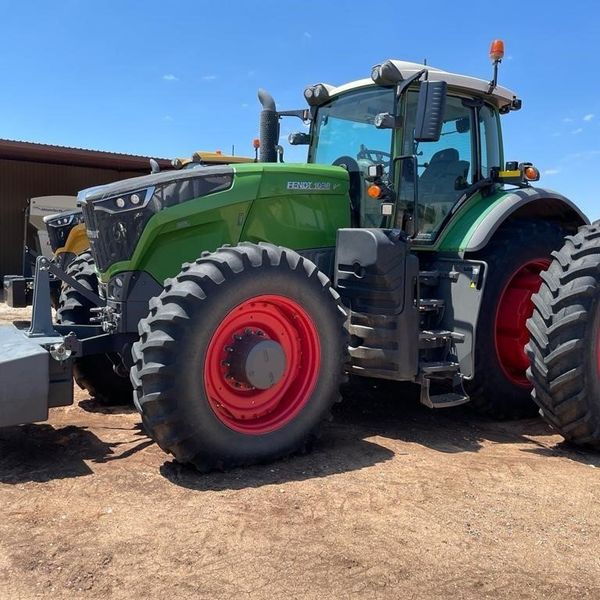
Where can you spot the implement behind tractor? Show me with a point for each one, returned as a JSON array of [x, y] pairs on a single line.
[[233, 301]]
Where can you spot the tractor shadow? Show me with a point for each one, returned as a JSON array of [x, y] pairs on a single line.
[[91, 405], [394, 411], [331, 455], [41, 452], [391, 412]]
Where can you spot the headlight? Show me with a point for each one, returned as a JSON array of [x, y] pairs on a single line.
[[59, 226], [116, 218], [125, 202]]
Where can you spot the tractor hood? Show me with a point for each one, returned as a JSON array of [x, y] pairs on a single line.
[[186, 176]]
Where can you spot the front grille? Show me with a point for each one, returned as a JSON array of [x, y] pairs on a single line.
[[98, 252], [114, 233]]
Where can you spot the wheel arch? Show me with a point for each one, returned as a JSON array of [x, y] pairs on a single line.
[[528, 203]]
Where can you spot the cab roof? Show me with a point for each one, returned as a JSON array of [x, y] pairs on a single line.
[[500, 96]]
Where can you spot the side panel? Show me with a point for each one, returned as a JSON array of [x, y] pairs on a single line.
[[299, 208], [477, 220]]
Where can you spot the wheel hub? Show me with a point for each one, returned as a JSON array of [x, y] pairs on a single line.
[[262, 364], [256, 362]]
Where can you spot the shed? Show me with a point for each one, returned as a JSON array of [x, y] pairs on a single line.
[[29, 169]]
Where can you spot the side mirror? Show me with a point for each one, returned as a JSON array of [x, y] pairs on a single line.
[[299, 139], [430, 111]]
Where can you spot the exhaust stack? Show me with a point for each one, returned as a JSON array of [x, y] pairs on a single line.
[[269, 127]]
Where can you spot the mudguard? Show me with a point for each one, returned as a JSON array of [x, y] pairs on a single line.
[[479, 218]]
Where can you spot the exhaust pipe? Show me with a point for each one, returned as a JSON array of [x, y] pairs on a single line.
[[269, 127]]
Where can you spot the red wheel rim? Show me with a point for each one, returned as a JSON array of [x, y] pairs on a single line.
[[259, 411], [514, 308]]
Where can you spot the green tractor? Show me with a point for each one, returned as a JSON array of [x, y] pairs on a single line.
[[235, 300]]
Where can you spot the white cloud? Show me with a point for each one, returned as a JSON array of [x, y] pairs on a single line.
[[251, 73], [556, 134], [168, 118], [170, 77], [567, 120], [551, 172], [578, 130], [245, 105], [588, 117], [209, 77], [307, 35]]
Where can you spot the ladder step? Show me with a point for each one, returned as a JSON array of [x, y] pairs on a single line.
[[447, 400], [430, 278], [431, 304], [437, 368], [430, 337]]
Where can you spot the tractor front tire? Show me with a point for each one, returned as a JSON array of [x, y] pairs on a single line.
[[94, 373], [240, 358], [516, 256], [564, 347]]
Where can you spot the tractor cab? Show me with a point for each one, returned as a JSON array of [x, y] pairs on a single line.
[[435, 137]]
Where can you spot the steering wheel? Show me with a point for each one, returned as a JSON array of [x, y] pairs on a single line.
[[375, 156], [350, 164]]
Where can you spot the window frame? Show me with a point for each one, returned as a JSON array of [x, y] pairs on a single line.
[[474, 103]]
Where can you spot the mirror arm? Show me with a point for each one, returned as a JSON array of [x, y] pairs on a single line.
[[402, 85], [302, 114]]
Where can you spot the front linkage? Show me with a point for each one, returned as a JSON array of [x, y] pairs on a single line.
[[36, 359]]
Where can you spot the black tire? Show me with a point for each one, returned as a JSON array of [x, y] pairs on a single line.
[[494, 391], [95, 373], [564, 347], [171, 355]]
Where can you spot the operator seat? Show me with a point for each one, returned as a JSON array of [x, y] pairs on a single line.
[[440, 185]]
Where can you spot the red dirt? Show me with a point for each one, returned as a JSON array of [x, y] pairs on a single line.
[[395, 501]]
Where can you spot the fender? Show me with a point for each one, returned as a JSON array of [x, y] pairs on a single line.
[[479, 218]]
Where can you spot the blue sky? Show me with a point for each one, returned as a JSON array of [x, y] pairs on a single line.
[[166, 79]]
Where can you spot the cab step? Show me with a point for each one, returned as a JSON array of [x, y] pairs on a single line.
[[438, 338], [431, 304], [448, 382]]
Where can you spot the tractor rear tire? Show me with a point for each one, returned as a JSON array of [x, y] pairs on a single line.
[[94, 373], [564, 348], [516, 256], [193, 386]]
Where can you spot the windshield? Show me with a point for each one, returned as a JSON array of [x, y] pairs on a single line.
[[344, 127], [344, 134]]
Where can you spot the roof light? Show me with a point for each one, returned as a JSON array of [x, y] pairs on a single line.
[[387, 73], [317, 94], [256, 143], [497, 51]]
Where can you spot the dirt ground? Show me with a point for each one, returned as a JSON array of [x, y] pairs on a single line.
[[396, 501]]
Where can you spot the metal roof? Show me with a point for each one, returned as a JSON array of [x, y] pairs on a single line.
[[64, 155]]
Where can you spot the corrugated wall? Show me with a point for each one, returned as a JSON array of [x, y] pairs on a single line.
[[20, 181]]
